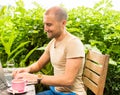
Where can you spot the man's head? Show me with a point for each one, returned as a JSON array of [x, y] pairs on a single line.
[[58, 12], [55, 21]]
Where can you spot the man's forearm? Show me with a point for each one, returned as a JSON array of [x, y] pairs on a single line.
[[34, 67], [43, 60]]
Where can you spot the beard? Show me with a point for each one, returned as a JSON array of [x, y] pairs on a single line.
[[52, 35]]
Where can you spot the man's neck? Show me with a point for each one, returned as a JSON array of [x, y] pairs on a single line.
[[61, 37]]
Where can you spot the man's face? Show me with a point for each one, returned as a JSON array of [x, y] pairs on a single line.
[[53, 27]]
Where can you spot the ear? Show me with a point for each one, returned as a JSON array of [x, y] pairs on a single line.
[[64, 22]]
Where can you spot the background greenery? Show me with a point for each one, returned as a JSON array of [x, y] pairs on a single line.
[[22, 37]]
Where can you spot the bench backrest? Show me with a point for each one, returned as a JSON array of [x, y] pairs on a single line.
[[95, 71]]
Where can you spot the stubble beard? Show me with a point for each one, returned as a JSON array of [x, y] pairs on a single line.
[[51, 36]]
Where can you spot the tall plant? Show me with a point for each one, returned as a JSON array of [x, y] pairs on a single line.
[[7, 39]]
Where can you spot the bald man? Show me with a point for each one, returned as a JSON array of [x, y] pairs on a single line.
[[66, 54]]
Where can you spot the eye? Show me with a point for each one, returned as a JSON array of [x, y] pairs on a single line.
[[49, 24]]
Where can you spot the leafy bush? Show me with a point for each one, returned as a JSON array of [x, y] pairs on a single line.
[[99, 27], [18, 27], [22, 36]]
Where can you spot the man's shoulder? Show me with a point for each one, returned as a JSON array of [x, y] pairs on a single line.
[[73, 38]]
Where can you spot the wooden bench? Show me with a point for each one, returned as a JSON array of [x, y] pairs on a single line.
[[95, 71]]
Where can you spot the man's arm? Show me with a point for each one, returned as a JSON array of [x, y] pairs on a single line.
[[35, 66], [43, 60], [71, 70]]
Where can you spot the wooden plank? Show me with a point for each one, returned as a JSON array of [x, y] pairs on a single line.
[[94, 67], [30, 90], [91, 75], [96, 56], [103, 77], [92, 86]]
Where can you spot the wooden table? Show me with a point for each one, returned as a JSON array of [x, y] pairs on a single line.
[[30, 89]]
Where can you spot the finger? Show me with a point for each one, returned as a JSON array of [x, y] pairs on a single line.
[[14, 73], [18, 76], [17, 71]]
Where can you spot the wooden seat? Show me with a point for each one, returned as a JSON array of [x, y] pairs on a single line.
[[95, 71]]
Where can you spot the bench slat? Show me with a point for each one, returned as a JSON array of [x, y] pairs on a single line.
[[97, 57], [92, 86], [94, 67], [91, 75]]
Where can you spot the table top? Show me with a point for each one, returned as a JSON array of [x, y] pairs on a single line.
[[30, 89]]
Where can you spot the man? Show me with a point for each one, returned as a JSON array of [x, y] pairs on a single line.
[[66, 53]]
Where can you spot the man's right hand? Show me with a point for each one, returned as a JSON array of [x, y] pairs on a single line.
[[20, 70]]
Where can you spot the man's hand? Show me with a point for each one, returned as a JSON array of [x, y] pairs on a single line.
[[30, 78], [20, 70]]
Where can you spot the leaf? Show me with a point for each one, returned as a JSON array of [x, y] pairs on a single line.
[[21, 45], [16, 54], [22, 63], [7, 40]]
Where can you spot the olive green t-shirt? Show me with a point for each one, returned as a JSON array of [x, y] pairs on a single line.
[[69, 47]]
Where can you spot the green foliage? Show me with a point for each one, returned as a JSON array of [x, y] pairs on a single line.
[[22, 36], [22, 63], [21, 31], [7, 39], [99, 27]]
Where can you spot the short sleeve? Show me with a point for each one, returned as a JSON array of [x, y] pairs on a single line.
[[75, 48]]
